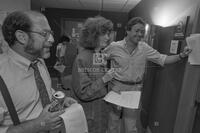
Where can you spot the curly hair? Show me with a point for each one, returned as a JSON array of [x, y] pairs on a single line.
[[134, 21], [92, 29], [17, 20]]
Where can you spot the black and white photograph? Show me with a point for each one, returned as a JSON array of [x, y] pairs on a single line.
[[99, 66]]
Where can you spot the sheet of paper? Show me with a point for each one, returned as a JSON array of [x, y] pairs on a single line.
[[127, 99], [193, 42], [74, 119]]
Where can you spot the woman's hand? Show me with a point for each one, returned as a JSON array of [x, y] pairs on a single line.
[[109, 75]]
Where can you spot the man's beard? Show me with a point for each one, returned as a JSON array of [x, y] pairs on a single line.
[[31, 50]]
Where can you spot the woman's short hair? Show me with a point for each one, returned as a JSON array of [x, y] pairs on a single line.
[[17, 20], [92, 29], [134, 21]]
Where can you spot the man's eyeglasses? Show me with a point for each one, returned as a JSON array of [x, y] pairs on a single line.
[[45, 34]]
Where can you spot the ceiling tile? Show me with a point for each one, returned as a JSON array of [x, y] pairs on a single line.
[[109, 5]]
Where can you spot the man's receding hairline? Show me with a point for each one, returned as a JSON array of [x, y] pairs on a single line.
[[32, 15]]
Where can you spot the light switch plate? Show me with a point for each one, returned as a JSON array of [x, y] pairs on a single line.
[[174, 46]]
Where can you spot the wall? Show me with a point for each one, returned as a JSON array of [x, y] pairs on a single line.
[[35, 5], [7, 6], [11, 5], [163, 13], [55, 17], [171, 89]]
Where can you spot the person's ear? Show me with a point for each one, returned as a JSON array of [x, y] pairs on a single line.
[[22, 37]]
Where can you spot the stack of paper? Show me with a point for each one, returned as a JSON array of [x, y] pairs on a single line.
[[127, 99], [193, 42], [74, 119]]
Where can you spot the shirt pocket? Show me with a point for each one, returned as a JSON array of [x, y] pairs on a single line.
[[120, 62]]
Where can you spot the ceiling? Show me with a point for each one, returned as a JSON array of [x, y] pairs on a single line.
[[99, 5]]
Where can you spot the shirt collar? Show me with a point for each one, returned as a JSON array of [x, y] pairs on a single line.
[[123, 42], [125, 46], [21, 61]]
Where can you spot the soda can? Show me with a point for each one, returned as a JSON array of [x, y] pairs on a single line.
[[57, 101]]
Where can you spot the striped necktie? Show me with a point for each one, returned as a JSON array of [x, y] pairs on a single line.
[[40, 85]]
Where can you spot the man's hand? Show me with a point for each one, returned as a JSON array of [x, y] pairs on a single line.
[[69, 101], [50, 120], [185, 52]]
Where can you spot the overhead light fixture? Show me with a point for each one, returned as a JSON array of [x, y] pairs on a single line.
[[163, 17], [169, 14]]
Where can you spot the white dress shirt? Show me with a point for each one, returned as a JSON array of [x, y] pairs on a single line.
[[19, 78]]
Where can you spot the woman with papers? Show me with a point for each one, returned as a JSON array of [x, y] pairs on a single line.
[[90, 74]]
